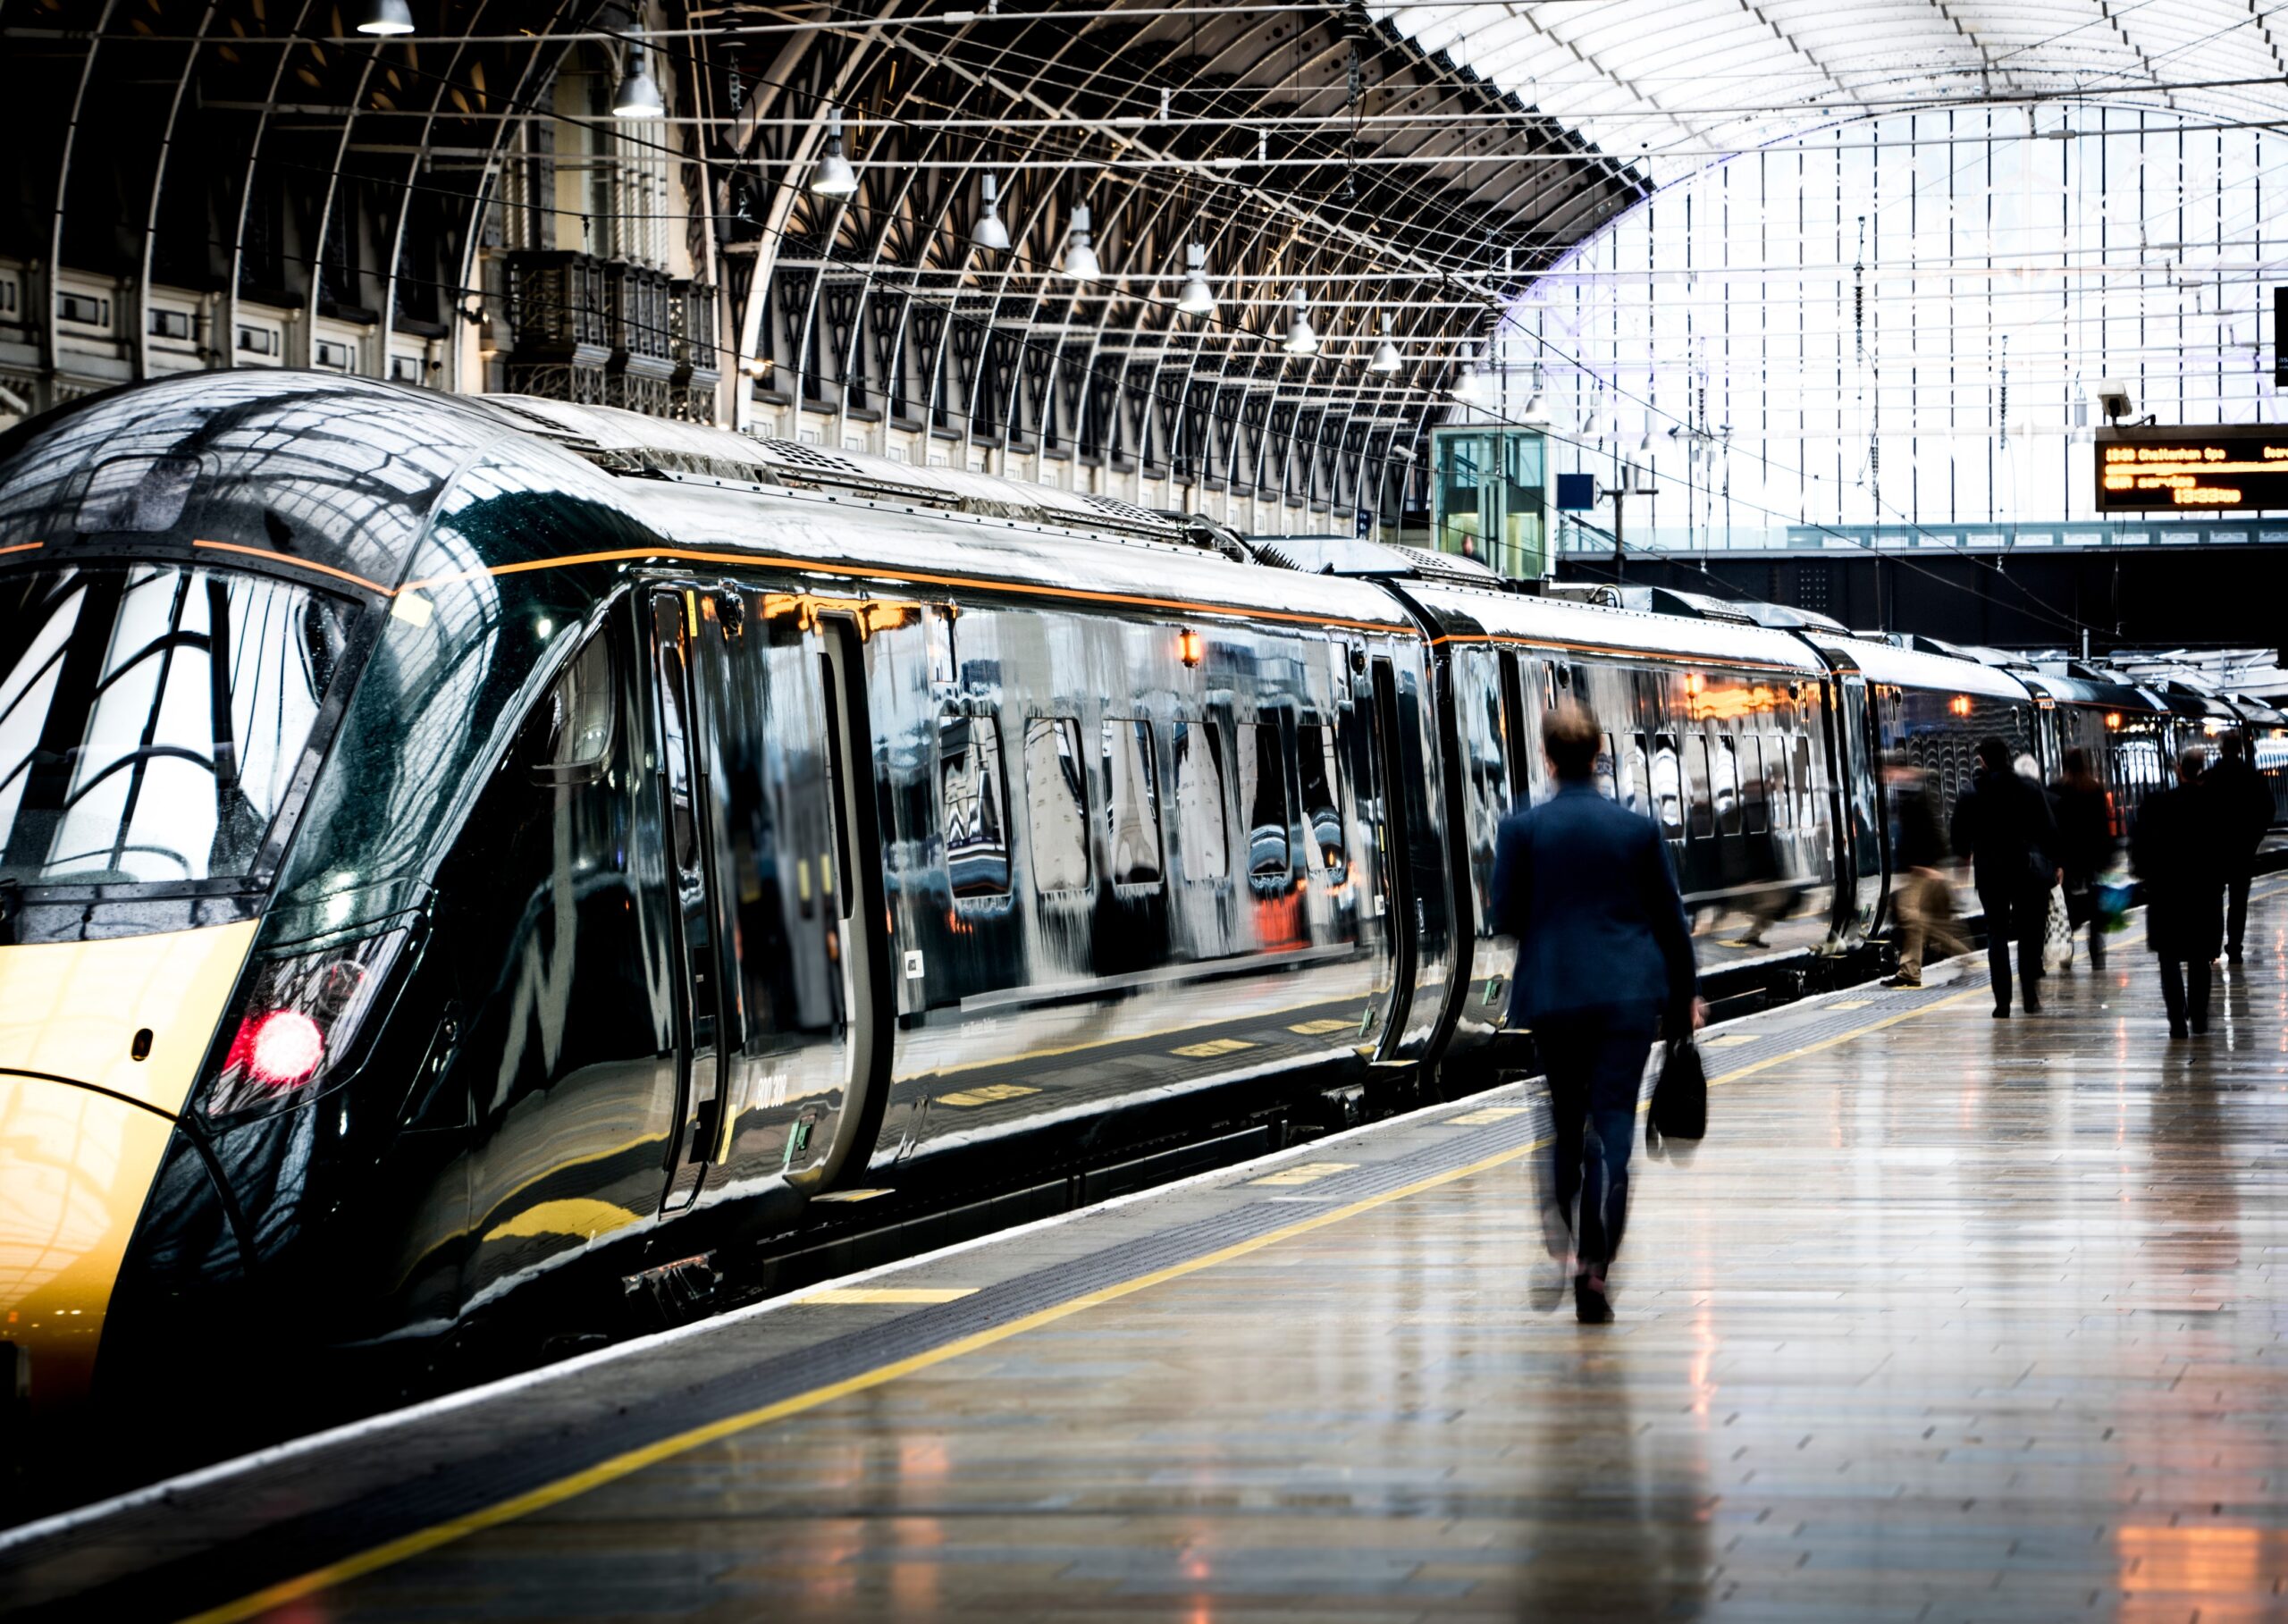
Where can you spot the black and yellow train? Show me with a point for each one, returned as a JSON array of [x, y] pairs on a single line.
[[444, 839]]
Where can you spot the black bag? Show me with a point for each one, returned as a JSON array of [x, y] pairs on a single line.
[[1680, 1099]]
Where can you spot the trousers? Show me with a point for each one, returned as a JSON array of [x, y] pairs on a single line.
[[2019, 917], [2236, 913], [1926, 917], [2184, 991], [1595, 1065]]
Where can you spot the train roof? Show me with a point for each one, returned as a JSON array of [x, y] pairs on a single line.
[[1468, 614], [314, 471], [1906, 668], [877, 542], [2066, 689]]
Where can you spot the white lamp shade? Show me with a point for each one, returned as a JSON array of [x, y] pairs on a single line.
[[832, 176], [384, 17], [1197, 298], [639, 92], [1080, 258], [1386, 358], [1301, 339], [990, 233]]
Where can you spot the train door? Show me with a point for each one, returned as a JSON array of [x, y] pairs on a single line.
[[1859, 894], [1397, 840], [862, 929], [686, 658]]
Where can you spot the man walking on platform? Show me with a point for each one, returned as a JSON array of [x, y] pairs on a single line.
[[2002, 823], [1603, 954], [2084, 845], [2177, 849], [1925, 902], [2243, 807]]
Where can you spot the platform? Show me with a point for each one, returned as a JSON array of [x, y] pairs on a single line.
[[1949, 1320]]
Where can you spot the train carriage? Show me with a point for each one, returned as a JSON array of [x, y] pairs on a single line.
[[447, 840]]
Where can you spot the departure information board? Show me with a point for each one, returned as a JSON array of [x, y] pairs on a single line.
[[2186, 470]]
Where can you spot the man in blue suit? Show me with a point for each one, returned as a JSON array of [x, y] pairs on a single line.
[[1603, 958]]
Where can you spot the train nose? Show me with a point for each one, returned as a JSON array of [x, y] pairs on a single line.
[[100, 1044]]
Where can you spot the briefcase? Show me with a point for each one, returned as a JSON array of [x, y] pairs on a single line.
[[1679, 1108]]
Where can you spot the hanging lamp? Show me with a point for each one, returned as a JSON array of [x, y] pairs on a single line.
[[1301, 339], [1387, 359], [1080, 258], [639, 92], [832, 177], [1197, 298], [990, 233], [385, 18]]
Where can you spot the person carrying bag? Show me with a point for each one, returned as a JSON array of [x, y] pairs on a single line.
[[1603, 958]]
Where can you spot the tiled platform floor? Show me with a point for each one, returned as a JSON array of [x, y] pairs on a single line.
[[1949, 1320]]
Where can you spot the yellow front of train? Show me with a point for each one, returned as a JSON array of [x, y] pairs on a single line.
[[195, 577], [100, 1045]]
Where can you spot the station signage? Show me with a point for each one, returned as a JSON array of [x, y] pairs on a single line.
[[2186, 470]]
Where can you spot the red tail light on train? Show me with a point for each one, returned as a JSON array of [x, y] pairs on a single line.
[[296, 1023]]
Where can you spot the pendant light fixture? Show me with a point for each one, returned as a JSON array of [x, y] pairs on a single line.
[[1470, 387], [1301, 339], [385, 18], [1080, 258], [1197, 298], [832, 176], [1387, 359], [990, 233], [639, 92]]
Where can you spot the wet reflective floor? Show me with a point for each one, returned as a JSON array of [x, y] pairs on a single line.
[[1950, 1319]]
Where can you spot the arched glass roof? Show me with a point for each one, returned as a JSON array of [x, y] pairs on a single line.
[[1682, 83]]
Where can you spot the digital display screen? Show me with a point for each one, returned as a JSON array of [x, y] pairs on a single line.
[[2193, 470]]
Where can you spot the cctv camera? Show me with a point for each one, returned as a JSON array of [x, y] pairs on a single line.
[[2113, 400]]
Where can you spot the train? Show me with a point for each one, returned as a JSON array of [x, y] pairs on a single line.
[[448, 840]]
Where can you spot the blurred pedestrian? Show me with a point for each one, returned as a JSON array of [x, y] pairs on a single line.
[[1603, 958], [2085, 845], [1925, 900], [2003, 825], [2177, 849], [2243, 804]]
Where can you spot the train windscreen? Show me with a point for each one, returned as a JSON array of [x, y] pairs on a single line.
[[152, 721]]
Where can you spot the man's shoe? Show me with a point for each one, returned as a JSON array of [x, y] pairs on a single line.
[[1903, 979], [1591, 1306], [2033, 1006], [2003, 1014], [2176, 1029]]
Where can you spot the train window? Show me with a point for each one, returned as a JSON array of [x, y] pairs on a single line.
[[1608, 771], [1132, 801], [1057, 797], [1668, 786], [1700, 817], [675, 740], [1200, 801], [1637, 791], [1322, 802], [1263, 798], [1755, 789], [1724, 783], [973, 799], [572, 725]]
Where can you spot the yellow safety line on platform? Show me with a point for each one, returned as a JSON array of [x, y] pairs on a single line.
[[635, 1460]]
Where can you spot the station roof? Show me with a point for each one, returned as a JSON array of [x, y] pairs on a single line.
[[1680, 83]]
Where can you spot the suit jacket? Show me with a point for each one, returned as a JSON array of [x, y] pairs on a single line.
[[1584, 884], [2003, 825], [2244, 809]]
